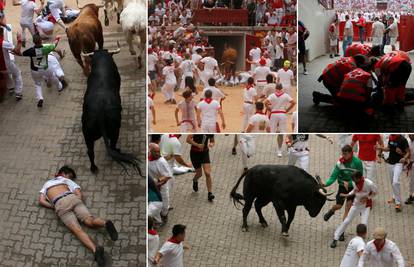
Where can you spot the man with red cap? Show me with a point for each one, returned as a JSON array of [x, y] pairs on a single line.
[[259, 75]]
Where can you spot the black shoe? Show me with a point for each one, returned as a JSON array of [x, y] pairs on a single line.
[[18, 97], [333, 244], [328, 215], [210, 196], [342, 237], [99, 256], [195, 186], [40, 103], [233, 151], [64, 85], [110, 228], [331, 56], [409, 200], [315, 98]]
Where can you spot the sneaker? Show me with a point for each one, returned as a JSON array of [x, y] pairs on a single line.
[[18, 97], [409, 200], [398, 208], [328, 215], [195, 186], [334, 243], [40, 103], [233, 151], [11, 91], [305, 72], [342, 237], [210, 196], [330, 56], [99, 256], [110, 228], [64, 85], [279, 154]]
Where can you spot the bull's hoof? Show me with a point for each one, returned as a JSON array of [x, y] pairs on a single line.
[[264, 224], [245, 229], [94, 169], [285, 234]]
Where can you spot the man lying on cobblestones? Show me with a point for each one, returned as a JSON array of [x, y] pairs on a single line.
[[63, 195]]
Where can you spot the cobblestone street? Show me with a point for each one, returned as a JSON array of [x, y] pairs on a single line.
[[34, 143], [214, 229]]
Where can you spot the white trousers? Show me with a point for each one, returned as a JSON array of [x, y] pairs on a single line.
[[247, 147], [54, 65], [302, 158], [395, 171], [248, 111], [205, 75], [29, 27], [168, 90], [354, 211], [278, 123], [166, 192], [208, 128], [39, 76], [369, 170], [154, 210], [16, 77], [186, 127]]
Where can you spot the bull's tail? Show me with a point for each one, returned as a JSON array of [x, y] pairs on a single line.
[[236, 196]]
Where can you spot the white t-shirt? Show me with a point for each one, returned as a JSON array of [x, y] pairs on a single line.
[[349, 26], [285, 77], [279, 50], [217, 93], [280, 102], [269, 89], [255, 53], [249, 95], [209, 64], [196, 58], [260, 73], [7, 47], [378, 29], [187, 110], [187, 67], [368, 188], [208, 112], [159, 168], [388, 256], [393, 30], [172, 254], [351, 257], [152, 61], [260, 123], [170, 146], [58, 181], [28, 8], [168, 72]]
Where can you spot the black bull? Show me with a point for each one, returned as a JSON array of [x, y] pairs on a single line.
[[102, 108], [285, 186]]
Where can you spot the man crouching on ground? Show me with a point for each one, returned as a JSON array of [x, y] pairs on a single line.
[[63, 195]]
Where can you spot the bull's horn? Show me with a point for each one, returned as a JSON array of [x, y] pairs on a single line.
[[87, 54], [116, 51], [323, 193]]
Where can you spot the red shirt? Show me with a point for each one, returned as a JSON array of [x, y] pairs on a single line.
[[367, 144]]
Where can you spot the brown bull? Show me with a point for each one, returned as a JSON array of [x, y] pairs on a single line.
[[85, 31], [229, 59]]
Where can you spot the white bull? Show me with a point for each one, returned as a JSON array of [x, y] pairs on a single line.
[[134, 22]]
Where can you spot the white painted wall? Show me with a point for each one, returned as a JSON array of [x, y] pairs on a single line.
[[317, 20]]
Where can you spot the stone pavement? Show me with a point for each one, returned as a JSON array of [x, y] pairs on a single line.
[[34, 143], [326, 118], [214, 229]]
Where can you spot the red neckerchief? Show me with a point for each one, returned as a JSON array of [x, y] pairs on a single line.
[[51, 19], [151, 158], [259, 112], [152, 232], [174, 135], [368, 204], [379, 247], [248, 86], [342, 160], [279, 94], [174, 240], [208, 100], [360, 184], [393, 137]]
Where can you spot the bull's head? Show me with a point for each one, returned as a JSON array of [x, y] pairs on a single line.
[[318, 198], [111, 52]]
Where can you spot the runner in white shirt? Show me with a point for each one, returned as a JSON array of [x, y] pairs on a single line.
[[247, 148], [207, 111], [259, 122], [170, 82], [210, 65], [393, 32], [11, 66], [172, 251], [196, 57], [188, 110], [254, 55], [377, 33], [355, 247], [249, 98], [270, 87], [187, 69], [285, 76], [279, 103], [151, 113], [171, 150], [153, 242], [218, 95], [364, 190], [259, 75], [29, 7], [160, 171], [57, 9], [410, 199], [152, 60], [381, 252]]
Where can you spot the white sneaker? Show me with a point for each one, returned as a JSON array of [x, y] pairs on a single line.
[[305, 72], [279, 154]]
